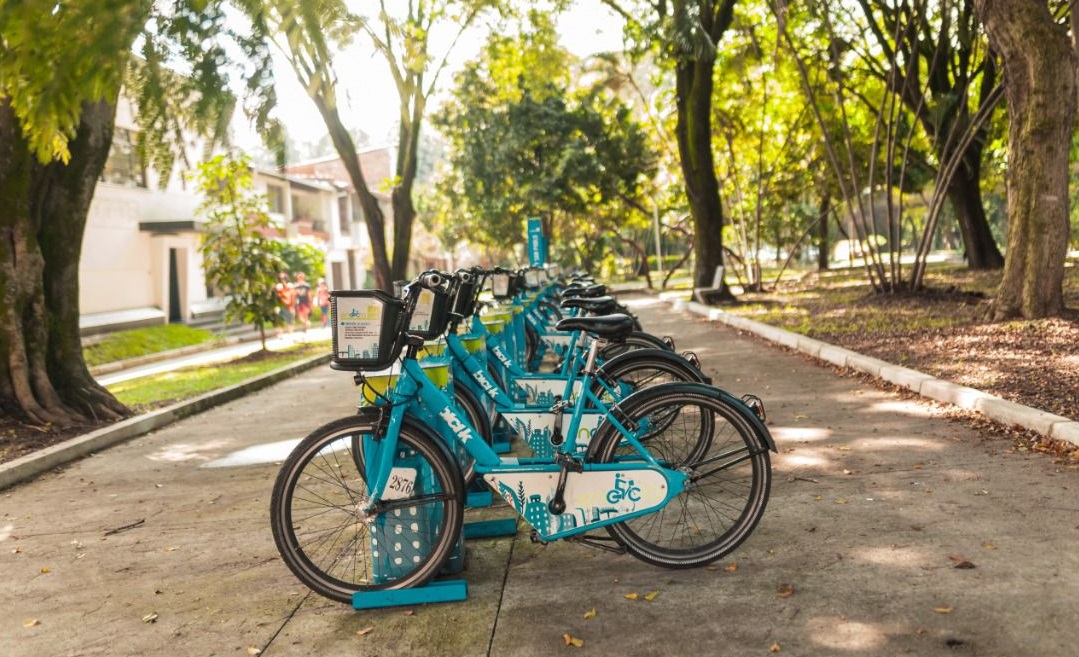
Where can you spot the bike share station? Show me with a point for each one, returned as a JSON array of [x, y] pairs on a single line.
[[358, 328]]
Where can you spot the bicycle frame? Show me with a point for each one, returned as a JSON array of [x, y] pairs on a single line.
[[527, 483]]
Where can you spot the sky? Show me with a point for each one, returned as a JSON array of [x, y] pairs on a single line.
[[370, 100]]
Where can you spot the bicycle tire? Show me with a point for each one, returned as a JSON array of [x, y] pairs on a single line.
[[729, 471], [643, 368], [469, 404], [333, 549], [476, 415], [636, 340]]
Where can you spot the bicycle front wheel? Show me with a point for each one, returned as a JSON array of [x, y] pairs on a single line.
[[728, 468], [335, 548]]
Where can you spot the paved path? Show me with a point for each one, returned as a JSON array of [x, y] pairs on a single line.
[[161, 546]]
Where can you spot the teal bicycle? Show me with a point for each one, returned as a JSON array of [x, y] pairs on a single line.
[[678, 475]]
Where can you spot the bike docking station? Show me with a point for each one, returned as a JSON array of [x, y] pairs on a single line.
[[395, 549]]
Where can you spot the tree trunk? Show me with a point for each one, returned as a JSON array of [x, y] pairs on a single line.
[[404, 211], [694, 86], [43, 377], [965, 195], [1040, 70], [61, 199], [694, 131], [372, 211], [823, 243]]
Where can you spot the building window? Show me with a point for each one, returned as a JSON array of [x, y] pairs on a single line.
[[343, 215], [356, 214], [124, 166], [275, 196]]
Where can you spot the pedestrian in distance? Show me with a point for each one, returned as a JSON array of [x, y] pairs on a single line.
[[302, 291], [322, 297], [286, 304]]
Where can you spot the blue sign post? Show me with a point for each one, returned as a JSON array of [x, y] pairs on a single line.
[[537, 243]]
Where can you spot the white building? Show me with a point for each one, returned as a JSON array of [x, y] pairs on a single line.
[[140, 259]]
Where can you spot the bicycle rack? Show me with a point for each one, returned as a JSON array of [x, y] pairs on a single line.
[[452, 590]]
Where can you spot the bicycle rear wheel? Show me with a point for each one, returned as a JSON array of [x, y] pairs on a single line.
[[636, 340], [334, 548], [643, 368], [728, 468]]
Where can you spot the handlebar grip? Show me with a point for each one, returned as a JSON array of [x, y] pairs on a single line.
[[431, 280]]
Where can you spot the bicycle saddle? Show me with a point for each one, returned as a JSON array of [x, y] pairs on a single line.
[[590, 291], [611, 327], [604, 305]]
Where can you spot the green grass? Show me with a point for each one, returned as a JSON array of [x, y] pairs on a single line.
[[149, 392], [133, 343]]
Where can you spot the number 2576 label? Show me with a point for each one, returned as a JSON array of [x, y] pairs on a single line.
[[401, 484]]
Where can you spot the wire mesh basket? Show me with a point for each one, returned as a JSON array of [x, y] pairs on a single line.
[[533, 278], [366, 328], [431, 314], [464, 302]]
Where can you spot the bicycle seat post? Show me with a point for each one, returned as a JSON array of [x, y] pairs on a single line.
[[594, 344]]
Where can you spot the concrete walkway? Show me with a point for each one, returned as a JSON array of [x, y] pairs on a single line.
[[889, 532]]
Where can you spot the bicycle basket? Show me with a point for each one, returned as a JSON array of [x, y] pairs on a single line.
[[500, 286], [431, 314], [366, 329], [532, 279], [464, 304]]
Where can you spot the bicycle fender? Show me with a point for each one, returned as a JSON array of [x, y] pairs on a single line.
[[659, 353], [699, 388]]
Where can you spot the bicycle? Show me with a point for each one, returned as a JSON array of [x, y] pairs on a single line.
[[375, 501], [532, 413]]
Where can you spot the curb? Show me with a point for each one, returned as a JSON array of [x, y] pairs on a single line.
[[991, 406], [35, 463]]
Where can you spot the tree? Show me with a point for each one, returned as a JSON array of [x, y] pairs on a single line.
[[313, 33], [932, 56], [237, 255], [1040, 84], [689, 32], [61, 69], [524, 144], [299, 256], [57, 103]]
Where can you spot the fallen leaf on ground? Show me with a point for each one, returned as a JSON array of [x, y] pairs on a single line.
[[45, 570], [365, 631], [631, 596], [943, 610], [731, 567], [841, 501], [409, 612], [572, 641], [785, 590], [150, 617], [774, 647], [30, 622], [591, 613], [651, 595], [252, 650]]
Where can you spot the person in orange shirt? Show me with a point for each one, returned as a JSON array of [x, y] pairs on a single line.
[[286, 305]]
